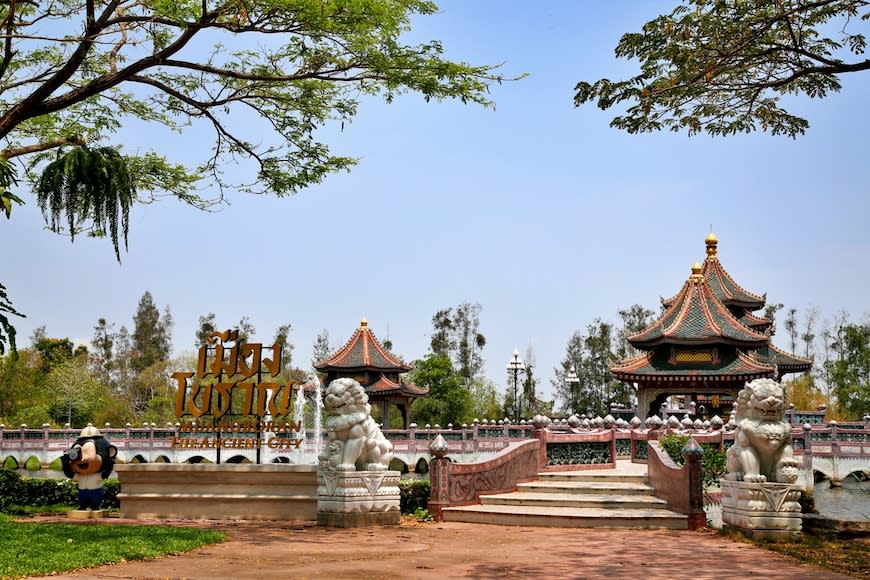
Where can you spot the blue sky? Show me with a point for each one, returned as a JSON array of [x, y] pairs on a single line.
[[537, 210]]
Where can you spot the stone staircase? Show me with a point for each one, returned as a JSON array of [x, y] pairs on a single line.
[[575, 499]]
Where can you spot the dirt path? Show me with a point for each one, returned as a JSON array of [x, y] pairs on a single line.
[[453, 550]]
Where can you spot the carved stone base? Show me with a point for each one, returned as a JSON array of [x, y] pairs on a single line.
[[358, 498], [762, 510], [86, 514]]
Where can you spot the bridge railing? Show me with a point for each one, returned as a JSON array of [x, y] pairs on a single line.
[[831, 439]]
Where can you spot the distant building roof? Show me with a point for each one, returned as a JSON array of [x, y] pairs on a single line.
[[363, 352]]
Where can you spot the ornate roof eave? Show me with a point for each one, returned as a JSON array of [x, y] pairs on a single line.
[[785, 362], [362, 352], [697, 305], [753, 321], [631, 370], [723, 285], [384, 386]]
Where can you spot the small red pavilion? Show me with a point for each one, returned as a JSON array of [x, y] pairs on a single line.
[[364, 359], [706, 345]]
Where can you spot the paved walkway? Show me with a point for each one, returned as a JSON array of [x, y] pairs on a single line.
[[259, 550]]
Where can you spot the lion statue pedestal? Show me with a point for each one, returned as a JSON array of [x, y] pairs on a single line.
[[354, 486], [759, 495]]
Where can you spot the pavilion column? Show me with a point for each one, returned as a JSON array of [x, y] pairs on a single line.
[[385, 413]]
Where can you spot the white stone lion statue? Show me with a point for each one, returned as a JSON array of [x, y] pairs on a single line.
[[356, 443], [762, 450]]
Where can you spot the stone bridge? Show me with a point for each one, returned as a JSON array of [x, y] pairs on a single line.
[[832, 451]]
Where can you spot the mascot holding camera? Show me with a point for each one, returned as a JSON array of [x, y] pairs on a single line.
[[89, 461]]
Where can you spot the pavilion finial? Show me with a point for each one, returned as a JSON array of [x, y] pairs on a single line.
[[697, 269], [363, 322], [712, 241]]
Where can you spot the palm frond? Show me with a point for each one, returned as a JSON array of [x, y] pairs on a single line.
[[88, 185]]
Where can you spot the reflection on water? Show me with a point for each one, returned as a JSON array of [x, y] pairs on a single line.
[[849, 502]]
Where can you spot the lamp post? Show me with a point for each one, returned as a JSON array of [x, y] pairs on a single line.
[[516, 365], [572, 379]]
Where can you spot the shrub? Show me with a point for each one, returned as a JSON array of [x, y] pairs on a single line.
[[9, 488], [712, 462], [32, 464], [414, 495], [41, 491]]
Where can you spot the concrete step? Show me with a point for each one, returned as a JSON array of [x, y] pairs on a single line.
[[580, 487], [566, 517], [593, 476], [584, 500]]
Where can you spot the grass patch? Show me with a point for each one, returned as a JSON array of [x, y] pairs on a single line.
[[846, 555], [30, 548]]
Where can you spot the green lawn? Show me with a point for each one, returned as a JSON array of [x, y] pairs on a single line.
[[31, 548]]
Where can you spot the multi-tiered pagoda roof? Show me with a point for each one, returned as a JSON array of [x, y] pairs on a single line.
[[364, 359], [707, 340]]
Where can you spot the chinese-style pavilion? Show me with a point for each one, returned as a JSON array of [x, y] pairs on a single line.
[[706, 345], [364, 359]]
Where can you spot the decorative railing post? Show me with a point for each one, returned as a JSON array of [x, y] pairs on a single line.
[[540, 432], [438, 477], [809, 478], [692, 453]]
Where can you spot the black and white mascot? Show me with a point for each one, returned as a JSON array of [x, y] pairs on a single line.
[[89, 461]]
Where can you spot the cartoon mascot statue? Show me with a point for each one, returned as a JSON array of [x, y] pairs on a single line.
[[89, 461]]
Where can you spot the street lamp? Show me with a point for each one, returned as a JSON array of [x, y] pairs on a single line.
[[516, 365], [572, 379]]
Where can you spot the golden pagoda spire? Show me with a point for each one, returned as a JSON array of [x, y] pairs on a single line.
[[712, 241]]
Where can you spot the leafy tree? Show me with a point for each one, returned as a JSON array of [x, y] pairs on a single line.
[[282, 337], [850, 371], [206, 328], [634, 319], [791, 326], [245, 329], [7, 331], [75, 392], [803, 392], [151, 335], [723, 67], [572, 397], [321, 349], [262, 76], [103, 343], [485, 400], [54, 351], [448, 401], [591, 354], [456, 335], [20, 384]]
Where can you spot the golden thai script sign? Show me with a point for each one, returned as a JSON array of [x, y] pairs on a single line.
[[223, 372], [228, 382]]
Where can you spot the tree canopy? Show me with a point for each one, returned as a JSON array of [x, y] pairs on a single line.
[[723, 66], [261, 77]]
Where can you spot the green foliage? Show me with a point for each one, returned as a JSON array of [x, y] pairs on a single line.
[[37, 549], [448, 401], [17, 493], [413, 495], [7, 331], [152, 336], [849, 372], [10, 485], [32, 464], [722, 67], [87, 185], [712, 462], [423, 515]]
